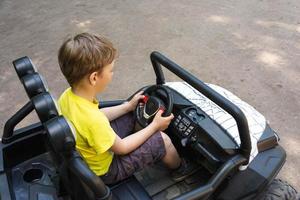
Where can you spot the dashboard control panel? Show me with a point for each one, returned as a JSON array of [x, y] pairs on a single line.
[[184, 125], [187, 121]]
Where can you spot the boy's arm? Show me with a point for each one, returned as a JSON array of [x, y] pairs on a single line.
[[116, 111], [133, 141]]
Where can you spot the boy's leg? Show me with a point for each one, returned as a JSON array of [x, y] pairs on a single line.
[[158, 147], [182, 168], [147, 154], [123, 125], [171, 159]]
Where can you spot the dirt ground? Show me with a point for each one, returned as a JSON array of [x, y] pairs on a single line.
[[252, 48]]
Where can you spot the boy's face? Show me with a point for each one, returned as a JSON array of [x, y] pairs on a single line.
[[104, 77]]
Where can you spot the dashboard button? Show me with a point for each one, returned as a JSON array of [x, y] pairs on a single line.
[[194, 138], [181, 127], [191, 127]]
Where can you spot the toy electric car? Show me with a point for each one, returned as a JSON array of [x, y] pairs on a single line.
[[237, 152]]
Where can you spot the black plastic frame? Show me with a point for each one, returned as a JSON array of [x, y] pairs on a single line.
[[33, 84], [45, 108], [205, 191], [158, 59], [14, 120], [100, 190], [24, 66], [64, 144]]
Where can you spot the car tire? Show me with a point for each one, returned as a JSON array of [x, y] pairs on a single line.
[[280, 190]]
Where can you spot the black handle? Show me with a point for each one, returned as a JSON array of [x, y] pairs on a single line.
[[82, 171], [14, 120], [158, 59]]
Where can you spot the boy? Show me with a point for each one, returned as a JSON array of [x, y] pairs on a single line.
[[110, 150]]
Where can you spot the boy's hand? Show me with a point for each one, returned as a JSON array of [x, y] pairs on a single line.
[[161, 123], [135, 100]]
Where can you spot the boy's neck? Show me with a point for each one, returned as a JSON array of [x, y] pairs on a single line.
[[84, 92]]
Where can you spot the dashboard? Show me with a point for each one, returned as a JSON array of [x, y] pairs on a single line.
[[192, 128]]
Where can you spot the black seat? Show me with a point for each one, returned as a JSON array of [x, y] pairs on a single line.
[[78, 180]]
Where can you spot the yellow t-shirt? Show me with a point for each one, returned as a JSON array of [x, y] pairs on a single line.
[[94, 135]]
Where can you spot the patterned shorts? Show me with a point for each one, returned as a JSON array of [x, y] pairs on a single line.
[[123, 166]]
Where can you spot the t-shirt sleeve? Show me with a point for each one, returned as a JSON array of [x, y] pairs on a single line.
[[101, 136]]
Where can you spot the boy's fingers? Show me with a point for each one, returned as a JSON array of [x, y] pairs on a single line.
[[139, 95], [171, 116], [140, 92], [159, 112]]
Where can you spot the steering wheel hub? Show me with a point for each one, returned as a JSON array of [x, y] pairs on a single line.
[[152, 103], [152, 106]]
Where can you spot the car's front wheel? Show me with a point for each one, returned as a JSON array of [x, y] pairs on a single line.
[[280, 190]]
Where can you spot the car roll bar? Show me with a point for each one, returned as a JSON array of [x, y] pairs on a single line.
[[158, 59]]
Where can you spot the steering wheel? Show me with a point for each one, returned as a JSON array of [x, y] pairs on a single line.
[[152, 103]]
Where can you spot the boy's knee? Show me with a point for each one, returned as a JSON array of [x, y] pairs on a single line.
[[166, 139]]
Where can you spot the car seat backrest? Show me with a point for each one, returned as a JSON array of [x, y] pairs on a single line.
[[24, 66], [78, 179], [34, 84], [32, 81], [43, 104], [40, 100]]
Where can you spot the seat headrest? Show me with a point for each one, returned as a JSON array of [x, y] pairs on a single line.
[[61, 134], [24, 66], [34, 84], [45, 106]]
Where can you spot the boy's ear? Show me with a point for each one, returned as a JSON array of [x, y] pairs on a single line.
[[93, 78]]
